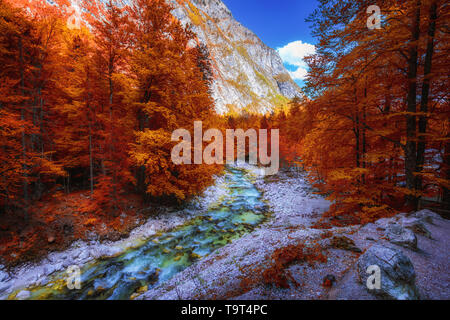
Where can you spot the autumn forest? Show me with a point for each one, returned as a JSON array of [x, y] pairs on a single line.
[[88, 105]]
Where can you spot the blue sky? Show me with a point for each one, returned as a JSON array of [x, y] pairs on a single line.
[[281, 25]]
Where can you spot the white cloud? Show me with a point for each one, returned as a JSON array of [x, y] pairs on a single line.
[[299, 74], [293, 54]]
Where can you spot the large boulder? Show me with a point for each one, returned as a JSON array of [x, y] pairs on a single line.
[[397, 275], [401, 236]]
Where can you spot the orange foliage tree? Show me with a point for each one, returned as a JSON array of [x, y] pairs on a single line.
[[365, 134], [27, 49], [90, 98], [172, 91]]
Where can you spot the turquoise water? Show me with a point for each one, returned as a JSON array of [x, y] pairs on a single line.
[[161, 257]]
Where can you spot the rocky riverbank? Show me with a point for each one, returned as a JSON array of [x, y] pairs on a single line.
[[82, 252], [411, 251]]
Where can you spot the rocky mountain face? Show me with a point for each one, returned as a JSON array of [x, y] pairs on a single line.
[[249, 76]]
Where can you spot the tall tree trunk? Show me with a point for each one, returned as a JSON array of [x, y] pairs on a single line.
[[143, 122], [357, 131], [411, 119], [91, 165], [111, 121], [446, 190], [22, 117], [39, 138], [91, 169], [140, 174], [423, 120], [364, 131]]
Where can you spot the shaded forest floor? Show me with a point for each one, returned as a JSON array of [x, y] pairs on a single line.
[[54, 223]]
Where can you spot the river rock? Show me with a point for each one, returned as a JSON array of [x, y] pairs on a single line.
[[427, 216], [57, 267], [66, 264], [23, 295], [49, 269], [4, 287], [3, 276], [417, 226], [55, 257], [84, 254], [401, 236], [344, 243], [397, 273], [99, 252], [384, 223]]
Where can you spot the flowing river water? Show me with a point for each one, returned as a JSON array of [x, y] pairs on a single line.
[[164, 255]]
